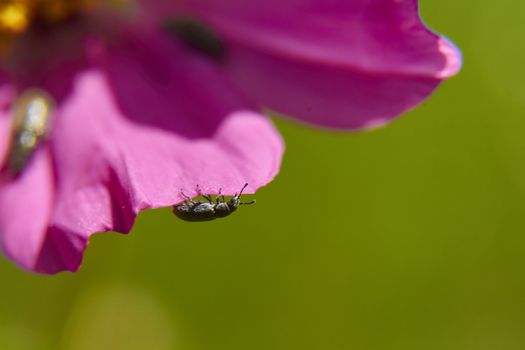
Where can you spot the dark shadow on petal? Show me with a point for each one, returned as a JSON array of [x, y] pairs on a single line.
[[61, 250], [122, 212]]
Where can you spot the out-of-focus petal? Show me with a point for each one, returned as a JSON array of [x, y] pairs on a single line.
[[29, 234], [5, 126], [324, 95], [153, 12], [6, 96], [26, 204], [26, 209], [158, 121], [340, 63], [375, 36]]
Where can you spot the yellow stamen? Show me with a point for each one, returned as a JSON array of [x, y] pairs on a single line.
[[14, 16]]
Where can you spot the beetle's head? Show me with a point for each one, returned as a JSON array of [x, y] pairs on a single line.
[[235, 201]]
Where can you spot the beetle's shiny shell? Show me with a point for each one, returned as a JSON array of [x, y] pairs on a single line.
[[195, 211]]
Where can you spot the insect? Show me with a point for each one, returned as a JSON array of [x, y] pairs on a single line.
[[191, 210], [196, 36], [32, 115]]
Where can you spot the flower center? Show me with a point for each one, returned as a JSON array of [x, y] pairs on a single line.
[[17, 15], [13, 17]]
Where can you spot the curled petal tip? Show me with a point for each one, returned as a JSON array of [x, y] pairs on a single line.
[[453, 56]]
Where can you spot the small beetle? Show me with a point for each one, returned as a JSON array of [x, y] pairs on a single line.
[[191, 210], [32, 114], [196, 36]]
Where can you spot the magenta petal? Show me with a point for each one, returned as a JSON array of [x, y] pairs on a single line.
[[26, 210], [196, 126], [26, 204], [5, 127], [158, 122], [5, 122], [152, 122], [343, 63], [89, 196], [61, 250], [382, 36], [324, 95]]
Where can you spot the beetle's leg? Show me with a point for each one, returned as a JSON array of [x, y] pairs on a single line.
[[219, 197], [208, 198], [186, 198]]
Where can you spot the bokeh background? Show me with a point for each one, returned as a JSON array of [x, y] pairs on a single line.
[[406, 237]]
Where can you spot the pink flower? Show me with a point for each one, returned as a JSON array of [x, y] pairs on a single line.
[[141, 115]]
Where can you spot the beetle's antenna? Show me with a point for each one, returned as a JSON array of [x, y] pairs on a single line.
[[242, 189], [246, 203]]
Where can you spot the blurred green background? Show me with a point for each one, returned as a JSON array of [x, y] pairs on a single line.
[[407, 237]]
